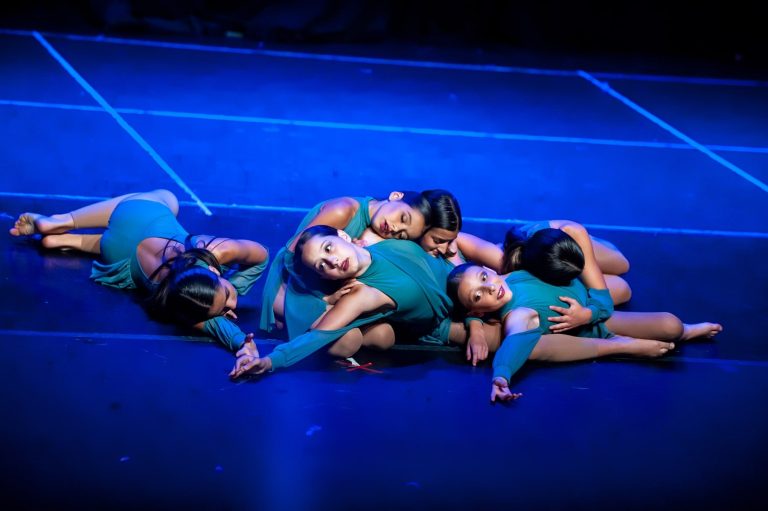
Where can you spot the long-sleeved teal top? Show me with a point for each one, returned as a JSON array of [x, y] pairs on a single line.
[[410, 277], [532, 293]]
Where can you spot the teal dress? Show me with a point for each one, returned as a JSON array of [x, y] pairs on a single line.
[[413, 279], [302, 304], [530, 292], [135, 220]]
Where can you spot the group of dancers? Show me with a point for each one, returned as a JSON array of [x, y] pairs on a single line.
[[364, 272]]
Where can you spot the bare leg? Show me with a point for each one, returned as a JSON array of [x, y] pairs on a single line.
[[609, 258], [93, 215], [378, 335], [89, 243], [646, 325], [97, 215], [348, 344], [566, 348], [619, 289]]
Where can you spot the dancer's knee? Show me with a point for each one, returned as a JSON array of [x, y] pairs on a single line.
[[619, 289], [671, 327], [380, 336], [348, 345]]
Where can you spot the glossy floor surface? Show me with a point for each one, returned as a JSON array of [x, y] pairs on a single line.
[[104, 409]]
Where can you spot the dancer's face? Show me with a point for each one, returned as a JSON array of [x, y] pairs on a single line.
[[331, 257], [483, 290], [224, 299], [439, 242], [396, 219]]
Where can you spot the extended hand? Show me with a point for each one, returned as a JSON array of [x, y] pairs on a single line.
[[500, 390], [574, 316], [248, 360]]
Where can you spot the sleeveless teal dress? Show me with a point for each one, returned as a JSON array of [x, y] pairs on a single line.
[[135, 220]]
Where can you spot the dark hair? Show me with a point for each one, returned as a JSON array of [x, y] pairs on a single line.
[[446, 213], [452, 288], [553, 256], [185, 294], [307, 275], [419, 202], [513, 243]]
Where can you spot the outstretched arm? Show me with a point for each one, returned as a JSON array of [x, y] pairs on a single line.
[[521, 335], [360, 300]]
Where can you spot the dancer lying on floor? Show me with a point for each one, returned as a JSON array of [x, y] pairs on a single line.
[[524, 303], [395, 281], [190, 280], [445, 239], [403, 215]]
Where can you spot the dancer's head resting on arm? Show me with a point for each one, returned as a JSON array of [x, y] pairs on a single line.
[[404, 215], [552, 256], [193, 290]]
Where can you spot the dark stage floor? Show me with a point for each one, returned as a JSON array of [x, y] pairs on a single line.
[[105, 409]]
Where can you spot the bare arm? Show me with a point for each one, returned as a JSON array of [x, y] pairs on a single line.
[[610, 259], [477, 345], [368, 238], [359, 300], [479, 251], [592, 276], [244, 252], [335, 213]]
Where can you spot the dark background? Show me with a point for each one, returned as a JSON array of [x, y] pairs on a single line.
[[729, 35]]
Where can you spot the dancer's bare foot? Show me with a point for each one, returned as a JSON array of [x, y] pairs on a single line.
[[34, 223], [641, 347], [25, 225], [703, 330]]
